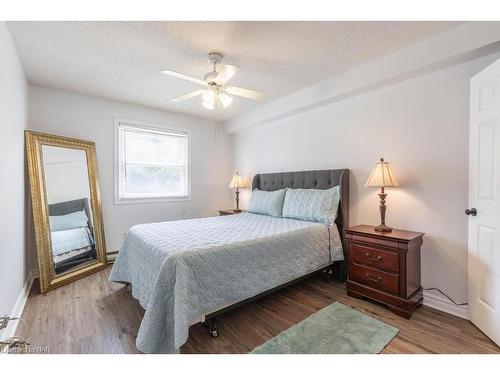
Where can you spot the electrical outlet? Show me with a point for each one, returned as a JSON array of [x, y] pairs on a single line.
[[4, 321]]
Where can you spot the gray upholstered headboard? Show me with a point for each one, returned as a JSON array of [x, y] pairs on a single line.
[[322, 179], [64, 208]]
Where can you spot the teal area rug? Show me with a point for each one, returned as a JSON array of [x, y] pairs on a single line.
[[336, 329]]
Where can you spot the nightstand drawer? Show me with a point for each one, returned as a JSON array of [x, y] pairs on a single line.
[[376, 279], [385, 267], [377, 258]]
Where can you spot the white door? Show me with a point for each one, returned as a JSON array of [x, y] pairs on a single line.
[[484, 202]]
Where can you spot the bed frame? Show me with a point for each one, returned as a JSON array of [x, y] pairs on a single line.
[[68, 207], [320, 179]]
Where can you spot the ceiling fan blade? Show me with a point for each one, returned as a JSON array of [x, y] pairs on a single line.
[[226, 73], [188, 96], [246, 93], [184, 76]]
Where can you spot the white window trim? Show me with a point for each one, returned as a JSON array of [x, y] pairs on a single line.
[[116, 166]]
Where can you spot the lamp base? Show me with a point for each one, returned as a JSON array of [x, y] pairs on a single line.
[[237, 210], [383, 228]]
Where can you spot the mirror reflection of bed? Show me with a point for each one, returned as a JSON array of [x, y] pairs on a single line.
[[70, 214], [72, 237]]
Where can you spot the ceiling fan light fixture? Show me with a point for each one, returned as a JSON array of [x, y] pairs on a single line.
[[209, 95], [215, 92], [209, 105], [225, 99]]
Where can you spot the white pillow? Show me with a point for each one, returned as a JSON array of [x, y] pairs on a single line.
[[312, 204], [73, 220], [267, 202]]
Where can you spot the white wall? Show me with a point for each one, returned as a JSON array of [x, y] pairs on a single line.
[[421, 127], [89, 118], [13, 91]]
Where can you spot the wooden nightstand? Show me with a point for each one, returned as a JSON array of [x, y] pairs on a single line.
[[385, 267], [229, 212]]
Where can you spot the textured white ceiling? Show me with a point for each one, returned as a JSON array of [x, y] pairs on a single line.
[[123, 60]]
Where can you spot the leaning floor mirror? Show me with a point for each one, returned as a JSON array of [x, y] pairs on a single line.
[[66, 207]]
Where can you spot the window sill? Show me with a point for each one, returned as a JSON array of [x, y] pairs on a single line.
[[151, 200]]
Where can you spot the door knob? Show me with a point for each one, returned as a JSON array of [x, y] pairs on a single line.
[[472, 212]]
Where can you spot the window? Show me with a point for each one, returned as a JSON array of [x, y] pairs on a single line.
[[151, 164]]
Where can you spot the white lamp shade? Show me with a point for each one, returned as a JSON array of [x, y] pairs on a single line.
[[208, 99], [237, 182], [382, 176], [208, 95], [212, 97], [225, 99]]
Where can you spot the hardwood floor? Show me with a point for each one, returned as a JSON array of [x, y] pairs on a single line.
[[93, 315]]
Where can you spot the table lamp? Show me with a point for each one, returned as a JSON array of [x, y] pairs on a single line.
[[237, 183], [382, 176]]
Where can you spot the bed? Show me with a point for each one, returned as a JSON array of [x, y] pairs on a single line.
[[183, 272], [73, 246]]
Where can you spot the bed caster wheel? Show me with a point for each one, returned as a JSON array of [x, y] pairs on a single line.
[[212, 328], [328, 275], [214, 332]]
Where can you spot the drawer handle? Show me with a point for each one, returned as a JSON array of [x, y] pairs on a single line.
[[372, 279], [377, 259]]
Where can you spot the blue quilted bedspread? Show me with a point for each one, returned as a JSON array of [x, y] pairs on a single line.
[[181, 271], [64, 241]]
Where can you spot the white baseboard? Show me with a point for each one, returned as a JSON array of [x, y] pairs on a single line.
[[439, 302], [17, 311]]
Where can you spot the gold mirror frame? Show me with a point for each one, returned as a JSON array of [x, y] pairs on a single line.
[[48, 278]]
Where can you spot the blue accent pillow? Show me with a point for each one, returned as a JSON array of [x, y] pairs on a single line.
[[312, 204], [267, 202], [73, 220]]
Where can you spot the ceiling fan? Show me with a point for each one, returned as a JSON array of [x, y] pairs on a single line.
[[215, 92]]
